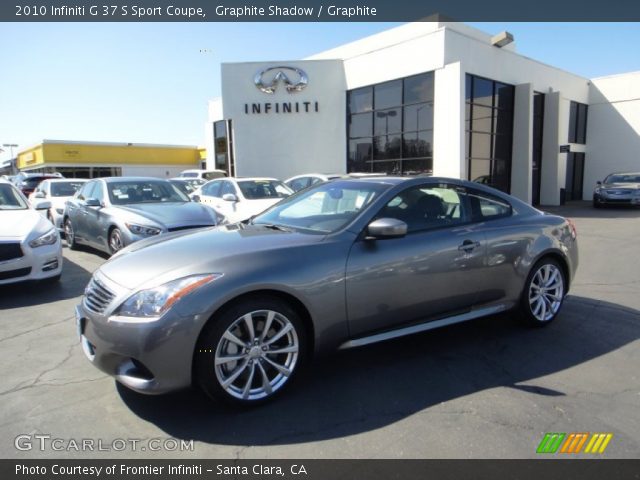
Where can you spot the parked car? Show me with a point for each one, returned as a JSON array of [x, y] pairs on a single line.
[[28, 184], [57, 191], [238, 199], [300, 182], [30, 247], [239, 309], [111, 213], [202, 174], [618, 189]]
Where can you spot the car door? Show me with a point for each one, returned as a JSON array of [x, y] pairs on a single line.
[[77, 209], [96, 224], [432, 271]]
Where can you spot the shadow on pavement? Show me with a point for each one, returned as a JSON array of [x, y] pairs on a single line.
[[583, 209], [364, 389], [25, 294]]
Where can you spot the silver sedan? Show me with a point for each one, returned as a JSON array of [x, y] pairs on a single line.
[[239, 309], [111, 213]]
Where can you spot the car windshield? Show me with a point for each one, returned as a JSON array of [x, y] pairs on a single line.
[[325, 208], [623, 178], [10, 199], [261, 189], [65, 189], [146, 191]]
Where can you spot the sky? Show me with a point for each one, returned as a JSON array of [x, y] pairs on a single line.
[[150, 82]]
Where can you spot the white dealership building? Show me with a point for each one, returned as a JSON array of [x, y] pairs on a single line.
[[428, 97]]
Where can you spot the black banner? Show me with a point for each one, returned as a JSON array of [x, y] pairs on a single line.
[[544, 469], [316, 10]]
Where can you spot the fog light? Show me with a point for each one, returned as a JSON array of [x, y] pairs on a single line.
[[50, 265]]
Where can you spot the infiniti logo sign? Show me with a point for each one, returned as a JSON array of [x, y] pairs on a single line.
[[294, 79]]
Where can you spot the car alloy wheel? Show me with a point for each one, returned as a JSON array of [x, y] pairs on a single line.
[[69, 234], [253, 352], [115, 241], [544, 292]]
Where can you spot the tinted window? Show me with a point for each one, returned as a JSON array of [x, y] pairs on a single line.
[[227, 187], [131, 192], [212, 189], [98, 192], [426, 207], [260, 189], [86, 191], [388, 94], [487, 207], [65, 189], [361, 100], [418, 88], [299, 183]]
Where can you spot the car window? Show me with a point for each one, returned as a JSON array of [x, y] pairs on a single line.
[[427, 206], [212, 175], [325, 208], [212, 189], [86, 191], [484, 206], [143, 191], [299, 183], [10, 199], [227, 187], [98, 192], [260, 189], [65, 189]]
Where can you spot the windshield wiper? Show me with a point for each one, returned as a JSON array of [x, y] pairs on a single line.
[[273, 226]]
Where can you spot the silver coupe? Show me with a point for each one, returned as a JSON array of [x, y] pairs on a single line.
[[239, 309]]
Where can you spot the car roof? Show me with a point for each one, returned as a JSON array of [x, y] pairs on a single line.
[[131, 179], [66, 180]]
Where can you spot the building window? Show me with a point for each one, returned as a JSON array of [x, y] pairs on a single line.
[[222, 147], [390, 127], [578, 123], [489, 131]]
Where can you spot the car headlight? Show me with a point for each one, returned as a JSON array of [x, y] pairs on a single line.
[[143, 229], [152, 303], [598, 189], [48, 238]]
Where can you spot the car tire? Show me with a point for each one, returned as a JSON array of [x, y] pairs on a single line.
[[543, 293], [69, 234], [596, 204], [251, 351], [116, 243]]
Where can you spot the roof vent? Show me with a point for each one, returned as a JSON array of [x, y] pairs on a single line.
[[501, 39]]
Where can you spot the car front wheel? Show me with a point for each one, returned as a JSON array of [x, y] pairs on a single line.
[[116, 242], [69, 234], [544, 293], [251, 352]]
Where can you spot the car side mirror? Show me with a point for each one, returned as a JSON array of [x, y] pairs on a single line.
[[93, 202], [195, 198], [598, 182], [229, 197], [384, 228], [39, 195], [43, 205]]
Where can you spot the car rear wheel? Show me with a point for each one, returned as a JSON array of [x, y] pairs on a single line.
[[544, 293], [116, 243], [69, 234], [251, 352]]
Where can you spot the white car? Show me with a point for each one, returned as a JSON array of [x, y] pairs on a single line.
[[241, 198], [56, 191], [202, 174], [30, 247]]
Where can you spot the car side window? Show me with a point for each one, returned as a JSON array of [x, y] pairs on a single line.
[[227, 187], [299, 183], [98, 192], [86, 191], [484, 206], [212, 189], [427, 207]]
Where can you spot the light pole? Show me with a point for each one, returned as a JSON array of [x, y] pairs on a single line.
[[11, 146]]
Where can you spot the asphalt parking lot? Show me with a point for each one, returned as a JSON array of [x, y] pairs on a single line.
[[484, 389]]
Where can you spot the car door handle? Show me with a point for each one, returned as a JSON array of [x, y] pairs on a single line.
[[468, 246]]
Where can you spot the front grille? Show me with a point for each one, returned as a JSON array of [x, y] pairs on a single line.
[[21, 272], [619, 192], [9, 251], [188, 227], [97, 296]]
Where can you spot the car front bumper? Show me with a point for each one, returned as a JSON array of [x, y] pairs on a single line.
[[604, 197], [36, 263], [151, 357]]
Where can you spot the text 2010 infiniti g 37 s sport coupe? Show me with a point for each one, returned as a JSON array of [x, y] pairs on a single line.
[[239, 309]]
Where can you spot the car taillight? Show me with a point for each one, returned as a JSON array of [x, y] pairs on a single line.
[[572, 227]]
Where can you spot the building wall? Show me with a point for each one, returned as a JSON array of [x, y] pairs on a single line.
[[613, 128], [285, 144]]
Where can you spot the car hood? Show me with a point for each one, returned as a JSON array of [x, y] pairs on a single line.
[[626, 186], [194, 252], [172, 215], [18, 224]]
